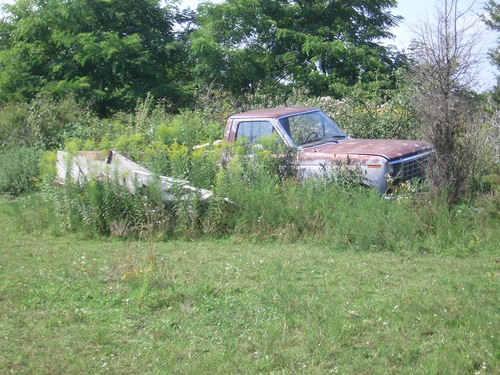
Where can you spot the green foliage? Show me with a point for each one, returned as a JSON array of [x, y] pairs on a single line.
[[178, 157], [131, 145], [253, 203], [48, 170], [19, 170], [323, 46], [45, 123], [147, 116], [53, 120], [203, 166], [14, 126], [183, 148], [106, 208], [105, 53], [490, 183], [375, 113], [190, 128], [155, 158], [163, 143]]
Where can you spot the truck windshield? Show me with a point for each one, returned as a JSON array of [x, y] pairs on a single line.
[[311, 127]]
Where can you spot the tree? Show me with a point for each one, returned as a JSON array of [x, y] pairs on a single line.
[[442, 81], [109, 53], [324, 46], [493, 21]]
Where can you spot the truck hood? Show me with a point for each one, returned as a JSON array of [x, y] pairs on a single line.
[[388, 148]]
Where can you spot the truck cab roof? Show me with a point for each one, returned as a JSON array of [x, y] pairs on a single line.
[[274, 112]]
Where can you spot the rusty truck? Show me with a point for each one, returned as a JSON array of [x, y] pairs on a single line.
[[319, 142], [316, 140]]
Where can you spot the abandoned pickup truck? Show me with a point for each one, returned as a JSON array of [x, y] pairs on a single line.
[[320, 143]]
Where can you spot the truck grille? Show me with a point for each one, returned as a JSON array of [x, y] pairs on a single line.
[[409, 168]]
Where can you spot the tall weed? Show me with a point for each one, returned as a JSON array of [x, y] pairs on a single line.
[[19, 170], [252, 202], [329, 212], [189, 128], [105, 208]]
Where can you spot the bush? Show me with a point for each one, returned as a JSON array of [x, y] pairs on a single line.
[[19, 170], [14, 128], [46, 123]]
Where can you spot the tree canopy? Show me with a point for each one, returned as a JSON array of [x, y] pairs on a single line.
[[493, 21], [108, 53], [112, 53], [324, 46]]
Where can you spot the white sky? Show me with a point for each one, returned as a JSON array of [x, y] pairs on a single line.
[[414, 11]]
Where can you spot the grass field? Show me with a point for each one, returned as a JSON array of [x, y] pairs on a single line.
[[76, 306]]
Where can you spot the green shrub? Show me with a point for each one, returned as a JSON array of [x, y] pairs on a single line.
[[46, 123], [15, 130], [189, 128], [19, 170]]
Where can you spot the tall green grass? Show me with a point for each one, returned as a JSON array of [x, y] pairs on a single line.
[[350, 217], [98, 208], [19, 170], [252, 202]]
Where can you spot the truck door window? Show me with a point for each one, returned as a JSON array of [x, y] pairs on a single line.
[[253, 130]]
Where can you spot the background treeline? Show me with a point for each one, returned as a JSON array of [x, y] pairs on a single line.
[[151, 81], [111, 53]]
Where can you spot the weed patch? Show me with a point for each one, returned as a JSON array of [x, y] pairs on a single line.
[[19, 170]]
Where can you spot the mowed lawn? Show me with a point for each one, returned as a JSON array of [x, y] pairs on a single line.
[[76, 306]]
